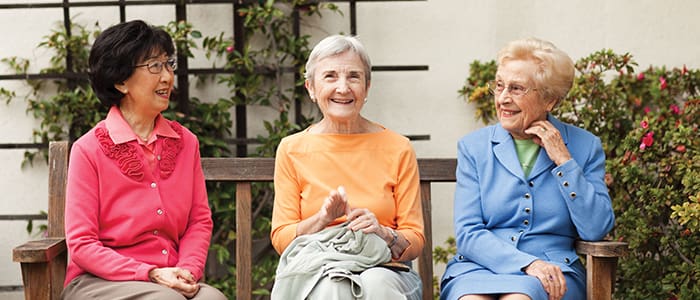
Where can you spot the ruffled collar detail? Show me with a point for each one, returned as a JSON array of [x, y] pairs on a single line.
[[130, 159]]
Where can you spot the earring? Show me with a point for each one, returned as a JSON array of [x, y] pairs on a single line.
[[313, 99], [365, 100]]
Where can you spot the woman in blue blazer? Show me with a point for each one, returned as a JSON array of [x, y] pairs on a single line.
[[527, 188]]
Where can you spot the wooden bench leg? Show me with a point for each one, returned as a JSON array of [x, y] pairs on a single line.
[[600, 277], [35, 277], [44, 280]]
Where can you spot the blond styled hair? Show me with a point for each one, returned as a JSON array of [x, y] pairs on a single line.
[[555, 69]]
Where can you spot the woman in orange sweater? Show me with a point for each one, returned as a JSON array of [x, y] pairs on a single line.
[[376, 167]]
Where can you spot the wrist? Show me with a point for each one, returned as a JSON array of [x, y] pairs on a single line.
[[393, 237]]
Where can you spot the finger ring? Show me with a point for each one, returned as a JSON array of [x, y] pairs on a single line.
[[550, 278], [542, 129]]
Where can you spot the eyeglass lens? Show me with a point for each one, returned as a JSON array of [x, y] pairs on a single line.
[[157, 66]]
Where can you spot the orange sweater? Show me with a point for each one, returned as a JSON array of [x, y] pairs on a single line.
[[378, 170]]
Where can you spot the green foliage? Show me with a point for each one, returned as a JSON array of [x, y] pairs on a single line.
[[648, 124], [476, 92], [66, 108]]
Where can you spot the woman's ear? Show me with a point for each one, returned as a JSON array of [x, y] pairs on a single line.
[[551, 104], [121, 87], [310, 90]]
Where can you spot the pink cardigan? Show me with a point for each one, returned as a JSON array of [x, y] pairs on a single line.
[[123, 218]]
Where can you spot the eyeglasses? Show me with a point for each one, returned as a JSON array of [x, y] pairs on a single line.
[[155, 67], [516, 90]]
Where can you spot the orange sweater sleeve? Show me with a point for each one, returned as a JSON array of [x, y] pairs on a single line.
[[286, 213], [409, 215]]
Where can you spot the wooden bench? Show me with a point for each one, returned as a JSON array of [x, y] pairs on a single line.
[[43, 262]]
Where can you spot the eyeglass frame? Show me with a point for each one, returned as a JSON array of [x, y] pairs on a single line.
[[508, 89], [170, 64]]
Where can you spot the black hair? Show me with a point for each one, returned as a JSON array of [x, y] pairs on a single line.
[[117, 50]]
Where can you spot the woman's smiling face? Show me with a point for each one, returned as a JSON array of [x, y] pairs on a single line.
[[339, 86], [516, 113]]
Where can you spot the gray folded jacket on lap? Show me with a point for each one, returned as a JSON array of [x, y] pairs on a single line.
[[336, 252]]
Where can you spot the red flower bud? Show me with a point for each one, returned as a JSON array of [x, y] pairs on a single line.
[[662, 83], [640, 76]]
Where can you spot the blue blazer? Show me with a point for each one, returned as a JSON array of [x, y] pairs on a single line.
[[504, 220]]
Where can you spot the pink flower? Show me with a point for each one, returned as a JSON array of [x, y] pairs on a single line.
[[229, 49], [662, 82], [640, 76], [646, 110], [680, 148], [647, 140], [644, 124], [642, 146], [674, 109]]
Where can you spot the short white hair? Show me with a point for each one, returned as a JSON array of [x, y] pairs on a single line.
[[334, 45]]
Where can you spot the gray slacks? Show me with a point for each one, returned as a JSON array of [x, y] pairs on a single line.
[[88, 286]]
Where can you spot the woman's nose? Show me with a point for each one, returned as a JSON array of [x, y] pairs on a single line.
[[342, 86], [166, 74], [503, 98]]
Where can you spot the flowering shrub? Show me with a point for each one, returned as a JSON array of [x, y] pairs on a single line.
[[648, 123]]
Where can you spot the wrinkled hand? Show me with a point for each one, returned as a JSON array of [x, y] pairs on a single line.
[[549, 138], [178, 279], [551, 277], [365, 220], [335, 206]]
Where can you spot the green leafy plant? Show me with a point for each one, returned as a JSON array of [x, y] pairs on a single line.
[[648, 124], [66, 108]]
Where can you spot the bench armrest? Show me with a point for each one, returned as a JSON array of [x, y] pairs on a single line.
[[39, 251], [601, 248]]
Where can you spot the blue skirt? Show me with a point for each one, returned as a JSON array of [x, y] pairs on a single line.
[[483, 282]]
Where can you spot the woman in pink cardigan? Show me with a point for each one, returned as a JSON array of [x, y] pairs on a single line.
[[137, 218]]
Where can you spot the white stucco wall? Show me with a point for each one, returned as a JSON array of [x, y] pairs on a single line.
[[446, 35]]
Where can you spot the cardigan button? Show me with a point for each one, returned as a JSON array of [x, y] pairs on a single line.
[[153, 185], [165, 252], [527, 195], [512, 238], [573, 195], [526, 222], [567, 260], [527, 210], [566, 183], [560, 174], [159, 211], [531, 183]]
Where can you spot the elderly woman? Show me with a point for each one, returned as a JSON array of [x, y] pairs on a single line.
[[345, 171], [137, 217], [527, 188]]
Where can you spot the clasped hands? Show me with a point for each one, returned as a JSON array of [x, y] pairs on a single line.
[[551, 277], [336, 205], [178, 279]]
